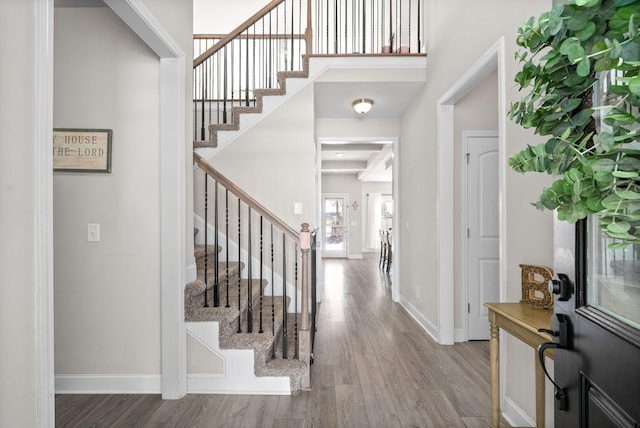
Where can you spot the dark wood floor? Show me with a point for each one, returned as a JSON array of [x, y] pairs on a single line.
[[374, 367]]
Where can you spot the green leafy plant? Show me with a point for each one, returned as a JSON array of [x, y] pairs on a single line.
[[581, 73]]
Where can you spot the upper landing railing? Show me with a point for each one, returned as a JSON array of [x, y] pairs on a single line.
[[231, 70]]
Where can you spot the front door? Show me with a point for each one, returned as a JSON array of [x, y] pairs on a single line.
[[598, 375], [334, 215]]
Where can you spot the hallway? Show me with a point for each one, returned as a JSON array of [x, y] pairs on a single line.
[[374, 367]]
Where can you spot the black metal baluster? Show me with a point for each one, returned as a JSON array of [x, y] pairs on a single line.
[[224, 86], [295, 312], [326, 27], [233, 75], [419, 28], [270, 54], [335, 41], [203, 85], [346, 27], [206, 240], [216, 268], [364, 25], [391, 26], [253, 72], [218, 86], [284, 297], [273, 307], [226, 245], [373, 27], [409, 25], [261, 273], [239, 262], [314, 299], [292, 36], [300, 31], [249, 275], [399, 15]]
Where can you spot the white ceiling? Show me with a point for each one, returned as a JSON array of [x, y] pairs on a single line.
[[368, 160], [390, 99]]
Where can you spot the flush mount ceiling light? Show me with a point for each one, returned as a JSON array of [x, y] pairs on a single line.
[[362, 105]]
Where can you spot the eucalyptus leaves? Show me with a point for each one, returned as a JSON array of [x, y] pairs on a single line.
[[581, 68]]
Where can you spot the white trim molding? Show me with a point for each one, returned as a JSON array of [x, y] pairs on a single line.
[[43, 215], [173, 201], [108, 384], [514, 415], [417, 315], [492, 60]]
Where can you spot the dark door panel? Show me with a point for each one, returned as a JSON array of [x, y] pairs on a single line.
[[599, 371]]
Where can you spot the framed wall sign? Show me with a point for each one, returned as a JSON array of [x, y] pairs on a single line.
[[82, 150]]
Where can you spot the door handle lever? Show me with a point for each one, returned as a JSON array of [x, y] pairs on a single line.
[[560, 394], [560, 341]]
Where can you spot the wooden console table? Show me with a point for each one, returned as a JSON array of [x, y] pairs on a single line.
[[521, 321]]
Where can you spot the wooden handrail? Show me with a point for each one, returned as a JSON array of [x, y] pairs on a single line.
[[245, 197], [239, 29]]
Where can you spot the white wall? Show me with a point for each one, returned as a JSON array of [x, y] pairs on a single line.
[[274, 161], [220, 17], [18, 263], [107, 302], [452, 50]]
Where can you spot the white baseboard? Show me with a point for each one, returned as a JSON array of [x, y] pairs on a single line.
[[422, 321], [513, 414], [108, 384], [219, 384], [460, 335], [355, 256]]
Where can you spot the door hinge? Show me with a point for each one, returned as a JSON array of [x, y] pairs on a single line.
[[468, 233], [468, 156], [469, 308]]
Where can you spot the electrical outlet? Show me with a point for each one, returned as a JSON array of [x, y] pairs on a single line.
[[93, 232]]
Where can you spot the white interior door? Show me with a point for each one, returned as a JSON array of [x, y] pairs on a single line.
[[483, 225], [334, 225]]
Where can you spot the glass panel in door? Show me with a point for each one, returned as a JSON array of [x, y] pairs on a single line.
[[334, 226], [613, 276]]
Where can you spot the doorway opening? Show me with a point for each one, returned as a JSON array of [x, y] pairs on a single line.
[[482, 258], [335, 220]]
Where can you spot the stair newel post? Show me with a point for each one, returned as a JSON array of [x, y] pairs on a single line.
[[216, 268], [249, 275], [261, 272], [308, 36], [226, 246], [206, 239], [284, 297], [295, 299], [305, 338], [273, 307], [239, 261]]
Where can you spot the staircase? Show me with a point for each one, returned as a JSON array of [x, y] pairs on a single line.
[[271, 372], [248, 320], [256, 108]]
